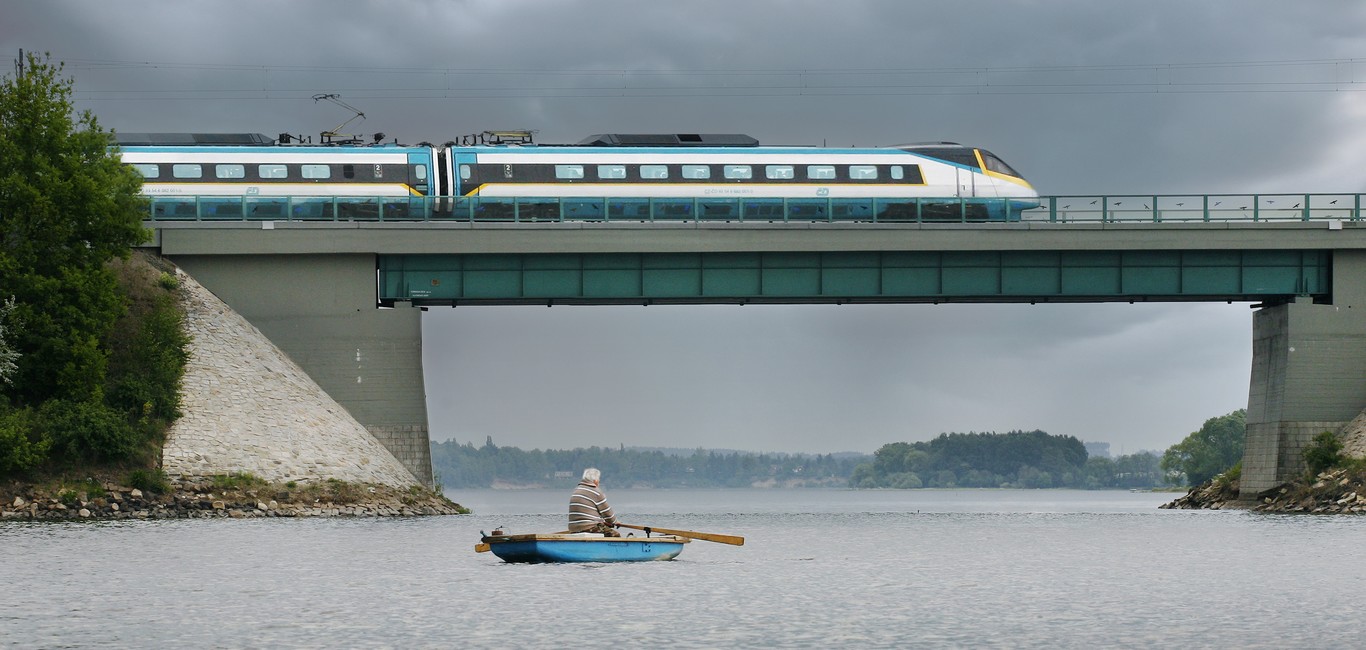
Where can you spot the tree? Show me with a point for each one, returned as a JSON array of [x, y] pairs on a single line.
[[1206, 453], [67, 207], [8, 355]]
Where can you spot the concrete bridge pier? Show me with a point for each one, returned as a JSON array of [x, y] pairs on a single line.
[[1308, 375], [320, 309]]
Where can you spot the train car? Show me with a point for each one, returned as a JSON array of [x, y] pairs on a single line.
[[611, 176], [248, 176]]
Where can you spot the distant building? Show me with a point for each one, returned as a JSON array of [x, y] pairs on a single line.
[[1097, 449]]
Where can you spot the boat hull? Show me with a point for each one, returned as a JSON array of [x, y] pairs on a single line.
[[577, 548]]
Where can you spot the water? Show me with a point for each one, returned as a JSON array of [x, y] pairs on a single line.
[[819, 569]]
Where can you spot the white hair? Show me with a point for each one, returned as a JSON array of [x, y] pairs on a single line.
[[592, 474]]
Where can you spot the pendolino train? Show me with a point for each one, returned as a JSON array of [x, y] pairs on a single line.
[[605, 177]]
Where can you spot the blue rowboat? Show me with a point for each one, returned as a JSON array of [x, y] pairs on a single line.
[[582, 547]]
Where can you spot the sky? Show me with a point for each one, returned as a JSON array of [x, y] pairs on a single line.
[[1081, 96]]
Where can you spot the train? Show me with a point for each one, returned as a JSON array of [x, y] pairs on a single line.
[[504, 176]]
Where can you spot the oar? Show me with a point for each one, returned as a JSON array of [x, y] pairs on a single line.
[[733, 540]]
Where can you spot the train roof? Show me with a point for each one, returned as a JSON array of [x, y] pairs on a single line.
[[669, 140], [192, 139]]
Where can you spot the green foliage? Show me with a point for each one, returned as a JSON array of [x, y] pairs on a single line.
[[148, 350], [1031, 459], [93, 370], [20, 448], [67, 206], [1323, 453], [1132, 471], [8, 355], [1230, 476], [86, 431], [470, 466], [150, 480], [1206, 453], [69, 497], [238, 481]]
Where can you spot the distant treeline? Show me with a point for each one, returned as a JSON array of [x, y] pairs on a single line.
[[467, 466], [1018, 459]]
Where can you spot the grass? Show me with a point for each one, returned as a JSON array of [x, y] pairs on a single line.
[[238, 481]]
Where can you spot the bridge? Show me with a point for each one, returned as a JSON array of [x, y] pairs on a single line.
[[339, 283]]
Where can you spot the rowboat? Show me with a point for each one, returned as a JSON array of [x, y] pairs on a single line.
[[581, 547]]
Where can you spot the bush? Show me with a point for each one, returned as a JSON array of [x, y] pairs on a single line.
[[149, 355], [1231, 476], [1323, 453], [905, 481], [19, 451], [86, 431], [150, 480]]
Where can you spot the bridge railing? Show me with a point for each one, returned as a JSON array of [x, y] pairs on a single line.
[[1059, 209], [1179, 208]]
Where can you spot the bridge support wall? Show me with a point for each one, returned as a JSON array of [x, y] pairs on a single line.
[[1308, 375], [320, 309]]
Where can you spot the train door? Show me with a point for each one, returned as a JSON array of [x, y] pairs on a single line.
[[967, 183], [420, 172], [465, 177]]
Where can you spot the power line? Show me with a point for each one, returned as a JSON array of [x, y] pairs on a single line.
[[279, 82]]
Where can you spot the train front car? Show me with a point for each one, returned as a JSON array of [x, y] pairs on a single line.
[[730, 177], [989, 189]]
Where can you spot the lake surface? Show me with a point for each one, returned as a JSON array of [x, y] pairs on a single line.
[[820, 569]]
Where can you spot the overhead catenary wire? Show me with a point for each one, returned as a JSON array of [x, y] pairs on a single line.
[[286, 82]]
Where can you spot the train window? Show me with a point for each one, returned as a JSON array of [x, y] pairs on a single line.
[[654, 171], [420, 172], [230, 171], [820, 172], [348, 171], [696, 172], [316, 171], [737, 171], [569, 172], [465, 172], [186, 170], [778, 172], [611, 171], [147, 170], [272, 171], [862, 172], [996, 164], [897, 172]]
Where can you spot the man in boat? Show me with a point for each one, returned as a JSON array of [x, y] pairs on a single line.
[[588, 508]]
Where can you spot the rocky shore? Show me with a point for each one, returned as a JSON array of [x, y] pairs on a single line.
[[1337, 491], [102, 500]]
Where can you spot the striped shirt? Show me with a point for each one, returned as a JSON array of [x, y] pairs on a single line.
[[588, 507]]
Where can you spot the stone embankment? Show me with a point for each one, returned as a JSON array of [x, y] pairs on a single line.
[[107, 501], [249, 408], [1338, 491]]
